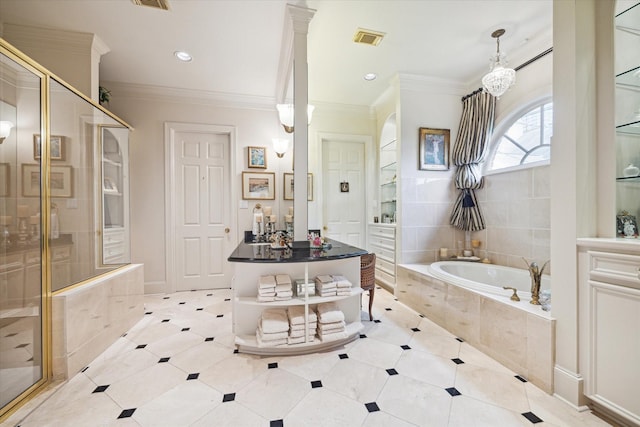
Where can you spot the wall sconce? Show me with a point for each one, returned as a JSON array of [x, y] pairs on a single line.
[[5, 129], [280, 146], [500, 78], [285, 112]]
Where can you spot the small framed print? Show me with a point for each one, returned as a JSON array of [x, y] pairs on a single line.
[[288, 186], [257, 157], [258, 186], [344, 187], [626, 225], [56, 150], [5, 180], [61, 181], [434, 149]]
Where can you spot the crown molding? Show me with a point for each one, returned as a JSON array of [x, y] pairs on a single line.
[[417, 83], [28, 37]]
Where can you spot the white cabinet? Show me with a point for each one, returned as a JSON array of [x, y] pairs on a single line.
[[114, 244], [609, 322], [382, 242]]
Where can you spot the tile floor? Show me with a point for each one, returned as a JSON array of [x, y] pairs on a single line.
[[177, 367]]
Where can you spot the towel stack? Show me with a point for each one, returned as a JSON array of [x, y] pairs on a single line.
[[273, 328], [343, 286], [266, 289], [331, 325], [284, 289], [297, 327], [325, 286]]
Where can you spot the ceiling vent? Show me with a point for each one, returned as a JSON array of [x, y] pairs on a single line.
[[158, 4], [369, 37]]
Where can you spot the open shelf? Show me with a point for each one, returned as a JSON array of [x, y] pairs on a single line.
[[313, 299]]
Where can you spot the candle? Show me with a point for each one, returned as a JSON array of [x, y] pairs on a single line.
[[258, 218], [23, 211], [443, 253], [273, 218], [290, 210], [266, 210], [288, 218], [6, 220], [34, 220]]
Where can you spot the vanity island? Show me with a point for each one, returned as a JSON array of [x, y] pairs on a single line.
[[254, 260]]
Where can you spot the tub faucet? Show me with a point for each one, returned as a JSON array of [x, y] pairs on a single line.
[[536, 275]]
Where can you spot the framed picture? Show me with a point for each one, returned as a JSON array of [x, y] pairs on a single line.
[[57, 147], [258, 186], [288, 186], [61, 181], [257, 157], [434, 149], [5, 180], [109, 185], [626, 225]]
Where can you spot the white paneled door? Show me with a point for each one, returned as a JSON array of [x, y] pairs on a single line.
[[344, 191], [201, 207]]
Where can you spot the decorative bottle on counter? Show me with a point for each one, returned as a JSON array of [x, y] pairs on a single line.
[[631, 171]]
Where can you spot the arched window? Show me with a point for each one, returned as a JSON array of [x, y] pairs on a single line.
[[524, 141]]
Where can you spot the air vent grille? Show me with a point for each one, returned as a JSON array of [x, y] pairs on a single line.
[[158, 4], [369, 37]]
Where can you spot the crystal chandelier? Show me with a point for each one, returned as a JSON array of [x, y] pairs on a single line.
[[500, 78]]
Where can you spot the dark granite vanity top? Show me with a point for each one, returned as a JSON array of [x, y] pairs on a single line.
[[262, 252]]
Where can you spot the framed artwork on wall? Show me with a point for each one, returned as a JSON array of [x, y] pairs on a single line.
[[288, 186], [433, 149], [57, 147], [257, 157], [258, 186], [5, 180], [61, 181]]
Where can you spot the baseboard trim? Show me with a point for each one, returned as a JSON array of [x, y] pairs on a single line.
[[568, 387]]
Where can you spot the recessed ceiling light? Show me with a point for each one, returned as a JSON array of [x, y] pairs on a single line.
[[183, 56], [370, 76]]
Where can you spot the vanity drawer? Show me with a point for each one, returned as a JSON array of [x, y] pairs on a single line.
[[382, 231], [385, 266], [619, 269], [381, 242], [113, 237], [11, 262], [60, 253]]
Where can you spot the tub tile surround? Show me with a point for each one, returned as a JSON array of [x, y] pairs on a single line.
[[89, 318], [412, 381], [524, 342]]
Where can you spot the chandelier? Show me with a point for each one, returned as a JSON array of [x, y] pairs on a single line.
[[500, 78]]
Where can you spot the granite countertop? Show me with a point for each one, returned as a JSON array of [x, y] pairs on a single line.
[[251, 252]]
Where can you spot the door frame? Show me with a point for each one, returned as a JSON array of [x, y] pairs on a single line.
[[369, 168], [170, 129]]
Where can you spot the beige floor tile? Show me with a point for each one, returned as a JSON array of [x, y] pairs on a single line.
[[230, 414], [376, 353], [233, 373], [323, 407], [466, 412], [428, 368], [356, 380]]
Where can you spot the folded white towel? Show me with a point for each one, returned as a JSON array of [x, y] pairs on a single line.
[[324, 278], [301, 327], [329, 293], [331, 327], [267, 291], [282, 279], [341, 281], [329, 313], [296, 334], [275, 320], [284, 288], [333, 337], [279, 298], [270, 337], [267, 281], [266, 298], [271, 343], [296, 315], [299, 340], [343, 292], [326, 286], [288, 293]]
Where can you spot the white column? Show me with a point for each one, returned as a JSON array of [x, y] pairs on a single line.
[[300, 17]]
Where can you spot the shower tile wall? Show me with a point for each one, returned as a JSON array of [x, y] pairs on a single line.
[[516, 206]]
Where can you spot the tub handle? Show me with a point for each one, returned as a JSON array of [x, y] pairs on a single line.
[[515, 296]]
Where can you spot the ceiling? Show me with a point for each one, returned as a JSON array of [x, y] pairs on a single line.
[[237, 44]]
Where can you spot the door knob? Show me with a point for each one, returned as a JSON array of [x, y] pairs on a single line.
[[227, 230], [325, 228]]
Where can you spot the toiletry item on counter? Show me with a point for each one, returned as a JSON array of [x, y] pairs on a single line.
[[631, 171]]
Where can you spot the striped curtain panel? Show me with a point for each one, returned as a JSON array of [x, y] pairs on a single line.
[[470, 149]]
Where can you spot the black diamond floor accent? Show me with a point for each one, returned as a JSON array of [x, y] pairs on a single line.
[[272, 365], [149, 312], [316, 384], [100, 389], [227, 299], [392, 371], [21, 345], [459, 339], [124, 335], [166, 298], [421, 315], [388, 309], [199, 309], [209, 295], [185, 329], [141, 346], [208, 339], [11, 335], [229, 397], [220, 315], [193, 376], [377, 321], [405, 347], [533, 418], [127, 413], [343, 356], [415, 329], [457, 361], [165, 320], [363, 336], [372, 407], [276, 423], [521, 378], [235, 351], [395, 299], [163, 360], [453, 391], [84, 369]]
